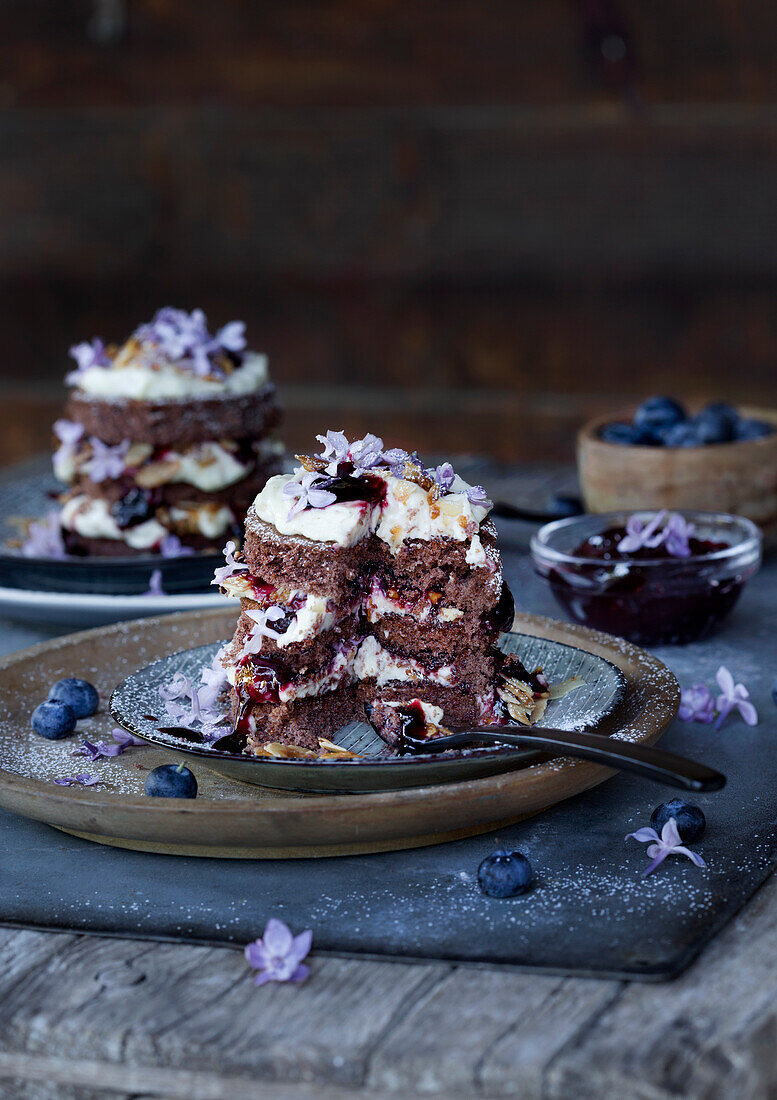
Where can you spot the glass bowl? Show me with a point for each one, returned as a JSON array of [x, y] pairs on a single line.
[[654, 601]]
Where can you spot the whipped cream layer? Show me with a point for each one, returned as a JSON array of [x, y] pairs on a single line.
[[406, 511], [362, 660], [148, 378], [91, 518]]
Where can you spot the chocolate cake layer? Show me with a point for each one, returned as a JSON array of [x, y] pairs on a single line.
[[302, 722], [182, 422], [293, 561], [309, 655]]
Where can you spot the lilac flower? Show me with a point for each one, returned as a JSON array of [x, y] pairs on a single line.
[[68, 432], [83, 780], [477, 495], [335, 450], [213, 681], [87, 355], [733, 697], [676, 536], [641, 535], [44, 539], [200, 705], [665, 845], [278, 954], [443, 477], [184, 338], [233, 565], [395, 459], [96, 751], [232, 337], [127, 740], [106, 463], [172, 547], [305, 494], [697, 704], [366, 453], [155, 584], [261, 630]]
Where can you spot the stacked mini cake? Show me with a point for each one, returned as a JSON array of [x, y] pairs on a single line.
[[166, 440], [365, 577]]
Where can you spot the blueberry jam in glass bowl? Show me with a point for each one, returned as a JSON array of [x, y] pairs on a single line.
[[647, 595]]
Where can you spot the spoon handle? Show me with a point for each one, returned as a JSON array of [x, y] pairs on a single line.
[[665, 767]]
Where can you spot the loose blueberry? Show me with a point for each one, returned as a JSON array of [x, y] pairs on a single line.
[[505, 874], [659, 413], [133, 508], [751, 429], [171, 781], [681, 435], [715, 424], [79, 695], [53, 720], [691, 822], [627, 434]]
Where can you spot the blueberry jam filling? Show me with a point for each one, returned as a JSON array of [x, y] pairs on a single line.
[[347, 487], [674, 601], [500, 618], [134, 508]]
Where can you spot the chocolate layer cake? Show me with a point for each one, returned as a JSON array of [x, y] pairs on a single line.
[[365, 577], [166, 440]]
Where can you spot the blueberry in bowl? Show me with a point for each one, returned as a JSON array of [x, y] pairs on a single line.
[[653, 577]]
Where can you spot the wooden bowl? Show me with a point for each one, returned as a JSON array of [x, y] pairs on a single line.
[[740, 478]]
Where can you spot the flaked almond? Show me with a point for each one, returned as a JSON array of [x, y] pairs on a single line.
[[138, 454], [307, 462], [157, 473]]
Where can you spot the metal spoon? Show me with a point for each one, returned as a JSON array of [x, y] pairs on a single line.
[[664, 767]]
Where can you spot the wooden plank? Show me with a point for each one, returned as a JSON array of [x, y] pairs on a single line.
[[196, 1008], [465, 194], [389, 53], [708, 1034], [485, 1032]]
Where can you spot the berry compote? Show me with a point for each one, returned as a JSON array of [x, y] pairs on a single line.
[[647, 596]]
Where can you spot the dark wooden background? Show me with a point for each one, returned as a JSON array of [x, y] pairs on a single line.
[[466, 225]]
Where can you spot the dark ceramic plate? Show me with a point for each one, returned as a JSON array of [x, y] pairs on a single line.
[[27, 493], [136, 705]]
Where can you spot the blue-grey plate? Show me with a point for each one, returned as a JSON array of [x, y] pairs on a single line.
[[137, 706], [27, 493]]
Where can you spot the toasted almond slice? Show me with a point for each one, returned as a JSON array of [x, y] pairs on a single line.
[[157, 473]]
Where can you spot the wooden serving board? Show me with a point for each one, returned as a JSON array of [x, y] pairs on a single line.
[[230, 819]]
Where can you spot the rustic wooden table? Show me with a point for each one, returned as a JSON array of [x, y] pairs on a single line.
[[87, 1017]]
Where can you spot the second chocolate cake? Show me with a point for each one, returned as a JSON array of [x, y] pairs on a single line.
[[365, 577], [166, 440]]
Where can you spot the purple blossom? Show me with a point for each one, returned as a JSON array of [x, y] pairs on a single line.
[[278, 954], [83, 780], [395, 459], [127, 740], [304, 493], [87, 355], [335, 450], [184, 338], [733, 697], [233, 565], [641, 535], [366, 453], [261, 630], [477, 495], [232, 336], [444, 477], [68, 432], [697, 704], [44, 539], [172, 547], [667, 844], [106, 463], [200, 702], [674, 535], [98, 750], [155, 584]]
